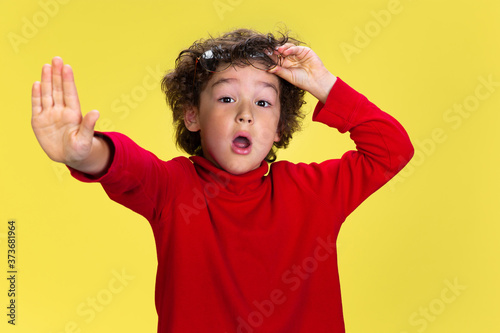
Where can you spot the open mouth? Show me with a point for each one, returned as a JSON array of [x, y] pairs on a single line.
[[242, 144]]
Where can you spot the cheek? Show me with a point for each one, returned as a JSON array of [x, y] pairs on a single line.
[[214, 133], [211, 122], [269, 133]]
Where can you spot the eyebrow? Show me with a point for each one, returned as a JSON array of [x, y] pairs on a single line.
[[230, 80]]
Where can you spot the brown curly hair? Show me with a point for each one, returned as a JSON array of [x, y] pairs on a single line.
[[183, 85]]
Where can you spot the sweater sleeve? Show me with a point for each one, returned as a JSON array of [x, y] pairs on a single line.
[[136, 178], [383, 148]]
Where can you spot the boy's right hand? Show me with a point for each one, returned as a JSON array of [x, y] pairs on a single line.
[[57, 121]]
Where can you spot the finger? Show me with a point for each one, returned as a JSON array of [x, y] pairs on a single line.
[[86, 131], [291, 55], [283, 47], [57, 89], [293, 50], [281, 72], [46, 87], [36, 99], [69, 88], [279, 53]]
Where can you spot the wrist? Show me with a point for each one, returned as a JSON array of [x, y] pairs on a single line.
[[323, 86], [98, 161]]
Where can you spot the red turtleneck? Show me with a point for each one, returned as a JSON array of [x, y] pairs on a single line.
[[256, 252]]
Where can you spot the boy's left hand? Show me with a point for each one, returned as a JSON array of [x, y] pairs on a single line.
[[304, 69]]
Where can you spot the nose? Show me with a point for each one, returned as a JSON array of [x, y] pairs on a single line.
[[244, 115]]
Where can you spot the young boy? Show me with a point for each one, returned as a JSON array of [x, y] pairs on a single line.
[[240, 249]]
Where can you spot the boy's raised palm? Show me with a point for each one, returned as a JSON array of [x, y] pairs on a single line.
[[57, 121]]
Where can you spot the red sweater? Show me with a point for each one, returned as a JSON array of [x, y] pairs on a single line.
[[256, 253]]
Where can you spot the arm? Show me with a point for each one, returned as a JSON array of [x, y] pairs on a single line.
[[382, 145], [136, 178], [59, 127], [110, 158]]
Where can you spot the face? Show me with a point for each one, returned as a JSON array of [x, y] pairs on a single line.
[[237, 118]]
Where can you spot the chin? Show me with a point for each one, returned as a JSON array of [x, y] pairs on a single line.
[[239, 168], [238, 171]]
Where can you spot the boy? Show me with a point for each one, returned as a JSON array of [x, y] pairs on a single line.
[[240, 249]]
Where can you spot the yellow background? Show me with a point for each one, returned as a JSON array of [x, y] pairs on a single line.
[[436, 224]]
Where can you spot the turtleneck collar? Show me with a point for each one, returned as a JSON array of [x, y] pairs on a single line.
[[235, 184]]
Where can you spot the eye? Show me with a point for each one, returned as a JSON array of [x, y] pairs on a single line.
[[263, 103], [226, 100]]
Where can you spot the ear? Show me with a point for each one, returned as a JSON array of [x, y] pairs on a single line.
[[191, 119], [277, 137]]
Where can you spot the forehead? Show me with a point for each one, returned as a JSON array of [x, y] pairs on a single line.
[[243, 75]]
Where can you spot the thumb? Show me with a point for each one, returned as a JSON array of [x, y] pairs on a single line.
[[281, 72], [86, 130]]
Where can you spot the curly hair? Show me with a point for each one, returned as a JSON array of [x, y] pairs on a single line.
[[183, 85]]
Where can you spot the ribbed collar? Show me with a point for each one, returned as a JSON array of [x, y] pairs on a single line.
[[244, 184]]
